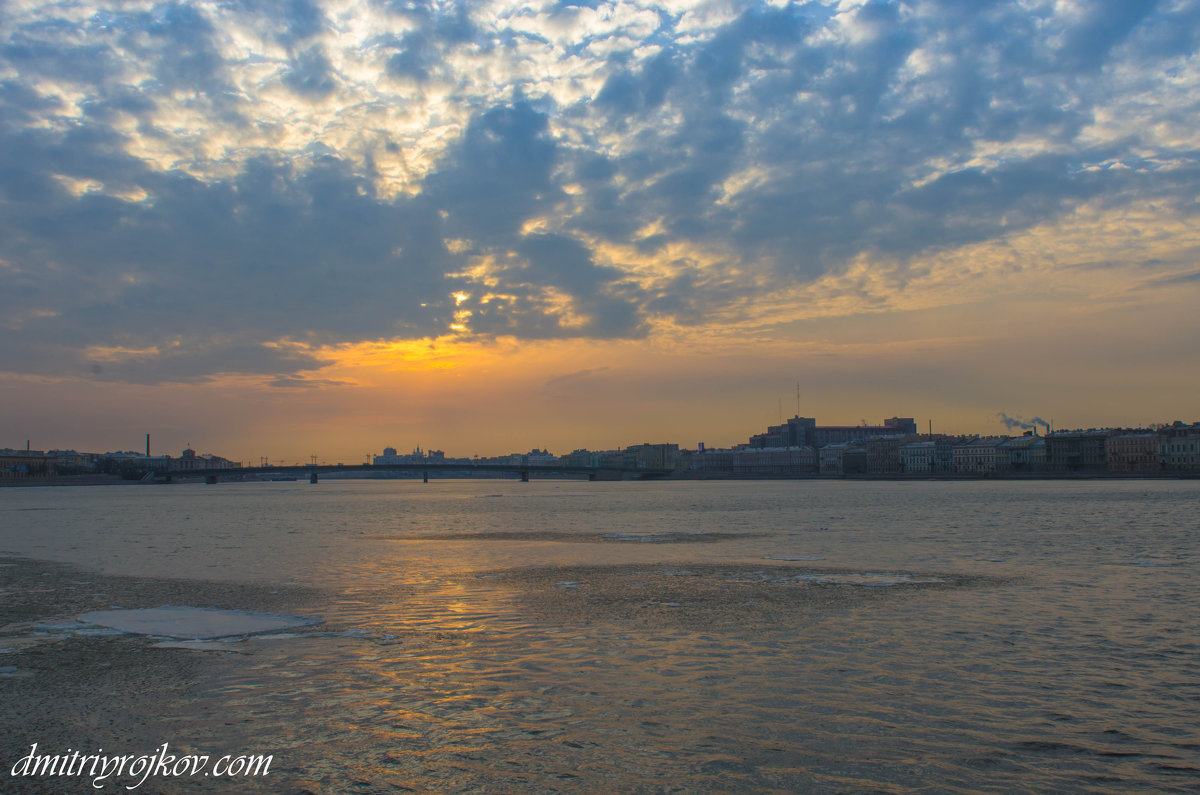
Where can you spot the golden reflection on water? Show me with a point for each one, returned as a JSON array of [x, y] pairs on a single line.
[[450, 683]]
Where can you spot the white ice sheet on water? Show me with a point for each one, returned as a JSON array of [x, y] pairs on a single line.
[[194, 623]]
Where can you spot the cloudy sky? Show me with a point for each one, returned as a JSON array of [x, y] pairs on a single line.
[[307, 227]]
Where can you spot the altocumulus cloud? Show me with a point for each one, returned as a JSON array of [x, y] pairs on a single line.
[[204, 188]]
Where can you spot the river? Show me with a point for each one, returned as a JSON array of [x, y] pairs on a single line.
[[769, 636]]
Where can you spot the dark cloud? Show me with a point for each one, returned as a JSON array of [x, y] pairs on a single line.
[[1104, 25], [302, 18], [626, 93], [295, 382], [759, 39], [310, 73], [437, 29], [182, 44], [413, 58], [499, 174], [575, 377]]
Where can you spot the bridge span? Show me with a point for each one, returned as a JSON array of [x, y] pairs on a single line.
[[466, 469]]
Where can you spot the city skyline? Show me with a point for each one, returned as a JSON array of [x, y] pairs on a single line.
[[788, 433], [323, 227]]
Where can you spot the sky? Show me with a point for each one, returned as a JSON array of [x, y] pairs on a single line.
[[295, 228]]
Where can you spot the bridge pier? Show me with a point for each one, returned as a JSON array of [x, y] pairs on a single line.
[[524, 475], [426, 478], [312, 477], [591, 476], [210, 479]]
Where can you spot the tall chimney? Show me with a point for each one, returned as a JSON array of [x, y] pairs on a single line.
[[147, 445]]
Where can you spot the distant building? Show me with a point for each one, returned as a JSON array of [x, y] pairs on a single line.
[[777, 461], [1077, 451], [390, 457], [883, 454], [650, 456], [581, 458], [20, 464], [981, 456], [1026, 453], [918, 457], [838, 434], [1179, 447], [804, 432], [191, 462], [854, 460], [1134, 452], [943, 456], [776, 436], [539, 458], [829, 458], [69, 462], [129, 463]]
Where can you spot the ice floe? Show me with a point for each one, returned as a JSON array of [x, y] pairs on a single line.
[[201, 645], [194, 623], [654, 538], [868, 579]]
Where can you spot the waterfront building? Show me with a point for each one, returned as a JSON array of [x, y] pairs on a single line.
[[650, 456], [981, 456], [539, 458], [69, 462], [19, 464], [883, 454], [1026, 453], [829, 459], [1179, 447], [854, 460], [746, 461], [1134, 452], [1077, 451], [189, 461], [918, 457], [943, 456], [126, 462], [417, 456], [581, 458]]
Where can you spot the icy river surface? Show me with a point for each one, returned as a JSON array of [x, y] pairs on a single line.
[[567, 636]]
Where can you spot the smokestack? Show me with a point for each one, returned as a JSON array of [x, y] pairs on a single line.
[[147, 445], [27, 445]]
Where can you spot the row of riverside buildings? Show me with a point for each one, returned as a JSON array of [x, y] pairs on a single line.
[[796, 448], [27, 463], [801, 447]]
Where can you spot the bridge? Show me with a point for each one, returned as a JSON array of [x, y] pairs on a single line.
[[314, 471]]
